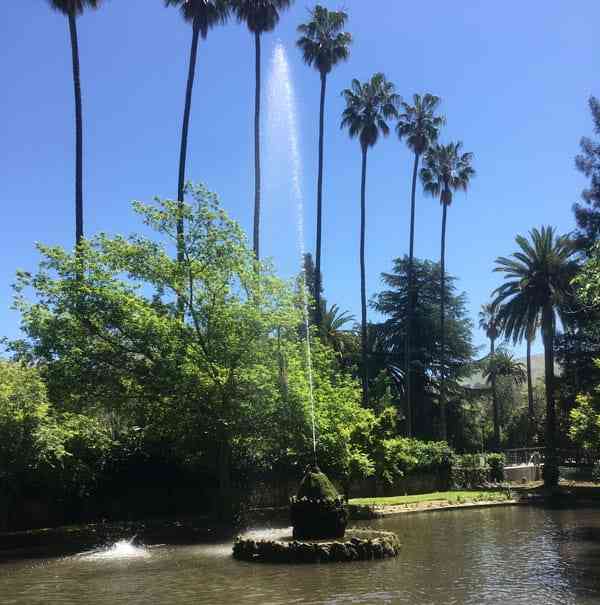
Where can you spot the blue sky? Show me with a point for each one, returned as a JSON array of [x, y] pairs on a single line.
[[514, 78]]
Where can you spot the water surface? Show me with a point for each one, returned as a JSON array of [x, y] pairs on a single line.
[[508, 555]]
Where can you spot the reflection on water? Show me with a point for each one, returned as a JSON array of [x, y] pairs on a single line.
[[494, 556]]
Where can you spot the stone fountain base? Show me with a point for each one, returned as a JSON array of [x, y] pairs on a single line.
[[357, 545]]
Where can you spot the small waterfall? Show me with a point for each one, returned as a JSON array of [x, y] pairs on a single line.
[[282, 132]]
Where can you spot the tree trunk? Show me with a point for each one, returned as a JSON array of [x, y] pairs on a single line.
[[78, 131], [496, 411], [550, 458], [531, 411], [318, 279], [443, 431], [256, 243], [363, 289], [184, 135], [410, 301]]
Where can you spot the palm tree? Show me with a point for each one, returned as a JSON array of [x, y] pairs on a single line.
[[446, 170], [332, 327], [504, 364], [538, 286], [260, 16], [323, 45], [488, 321], [419, 126], [72, 9], [203, 15], [368, 108], [501, 364], [527, 332]]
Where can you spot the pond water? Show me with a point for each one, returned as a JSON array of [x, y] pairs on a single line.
[[502, 555]]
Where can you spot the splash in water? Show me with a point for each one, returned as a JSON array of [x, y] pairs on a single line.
[[123, 549], [283, 132]]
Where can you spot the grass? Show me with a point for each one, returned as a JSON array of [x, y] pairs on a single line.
[[457, 497]]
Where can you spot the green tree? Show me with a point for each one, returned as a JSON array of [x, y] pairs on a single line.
[[445, 170], [260, 16], [323, 45], [587, 214], [203, 15], [369, 106], [72, 9], [392, 303], [488, 321], [419, 127], [538, 285]]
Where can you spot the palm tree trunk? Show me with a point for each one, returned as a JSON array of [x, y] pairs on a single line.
[[495, 399], [550, 458], [78, 131], [410, 301], [257, 150], [443, 431], [363, 290], [318, 281], [184, 135], [531, 411]]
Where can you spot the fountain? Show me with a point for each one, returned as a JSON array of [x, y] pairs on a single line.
[[318, 513]]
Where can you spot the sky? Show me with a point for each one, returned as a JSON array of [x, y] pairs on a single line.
[[514, 78]]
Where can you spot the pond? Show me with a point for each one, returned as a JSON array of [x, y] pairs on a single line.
[[502, 555]]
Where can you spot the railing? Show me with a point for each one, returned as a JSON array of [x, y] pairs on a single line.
[[536, 455]]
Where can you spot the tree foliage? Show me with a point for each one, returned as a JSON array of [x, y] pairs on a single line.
[[587, 214]]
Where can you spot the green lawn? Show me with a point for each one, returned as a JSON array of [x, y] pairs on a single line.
[[458, 497]]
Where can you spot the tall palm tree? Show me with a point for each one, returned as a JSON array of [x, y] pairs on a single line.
[[203, 15], [323, 45], [445, 170], [72, 9], [538, 285], [488, 321], [368, 108], [420, 127], [260, 16]]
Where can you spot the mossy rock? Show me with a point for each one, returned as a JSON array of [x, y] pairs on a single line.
[[359, 545], [318, 511], [315, 485]]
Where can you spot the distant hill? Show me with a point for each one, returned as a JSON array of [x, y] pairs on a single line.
[[537, 372]]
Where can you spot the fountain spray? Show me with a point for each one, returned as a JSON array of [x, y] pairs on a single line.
[[283, 113]]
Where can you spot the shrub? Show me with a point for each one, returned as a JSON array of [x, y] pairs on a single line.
[[495, 463]]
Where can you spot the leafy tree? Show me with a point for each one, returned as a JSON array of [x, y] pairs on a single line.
[[445, 170], [369, 106], [488, 321], [72, 9], [203, 15], [208, 383], [323, 44], [585, 421], [392, 303], [41, 450], [260, 16], [588, 162], [538, 285], [419, 127]]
